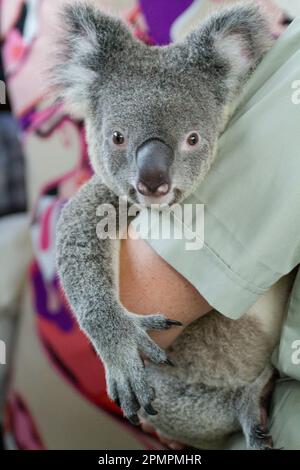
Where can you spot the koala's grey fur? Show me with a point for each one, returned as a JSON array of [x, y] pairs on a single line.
[[117, 83]]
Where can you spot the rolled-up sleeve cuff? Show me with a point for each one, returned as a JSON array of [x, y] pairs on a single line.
[[222, 271], [222, 288]]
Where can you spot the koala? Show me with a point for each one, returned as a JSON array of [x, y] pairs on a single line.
[[153, 117]]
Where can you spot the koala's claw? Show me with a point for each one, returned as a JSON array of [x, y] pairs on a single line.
[[150, 410], [134, 419], [261, 434], [173, 323], [260, 438], [169, 362], [154, 322], [117, 402]]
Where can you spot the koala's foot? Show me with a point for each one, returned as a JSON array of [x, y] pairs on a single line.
[[260, 439], [253, 414]]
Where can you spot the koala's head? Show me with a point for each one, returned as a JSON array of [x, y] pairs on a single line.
[[154, 114]]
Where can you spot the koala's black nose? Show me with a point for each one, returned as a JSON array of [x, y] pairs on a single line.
[[154, 159]]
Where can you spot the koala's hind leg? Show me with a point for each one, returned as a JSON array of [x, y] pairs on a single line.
[[252, 405]]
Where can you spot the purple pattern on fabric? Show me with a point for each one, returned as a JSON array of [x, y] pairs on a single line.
[[25, 120], [61, 317], [160, 15]]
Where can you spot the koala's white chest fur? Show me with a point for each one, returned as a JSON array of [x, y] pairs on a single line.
[[270, 308]]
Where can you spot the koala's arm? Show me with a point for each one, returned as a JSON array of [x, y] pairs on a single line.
[[87, 268]]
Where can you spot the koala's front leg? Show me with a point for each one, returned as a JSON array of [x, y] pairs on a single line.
[[87, 268]]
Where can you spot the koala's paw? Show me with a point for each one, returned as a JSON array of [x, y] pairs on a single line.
[[125, 374], [260, 439], [254, 410]]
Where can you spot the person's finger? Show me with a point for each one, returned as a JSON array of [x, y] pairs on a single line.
[[146, 427], [174, 445]]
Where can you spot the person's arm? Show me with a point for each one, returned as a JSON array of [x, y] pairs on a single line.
[[150, 284]]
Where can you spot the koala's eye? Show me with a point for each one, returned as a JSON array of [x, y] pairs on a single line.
[[118, 138], [193, 139]]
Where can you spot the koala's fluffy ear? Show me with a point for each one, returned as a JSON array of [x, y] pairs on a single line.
[[230, 44], [88, 45]]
